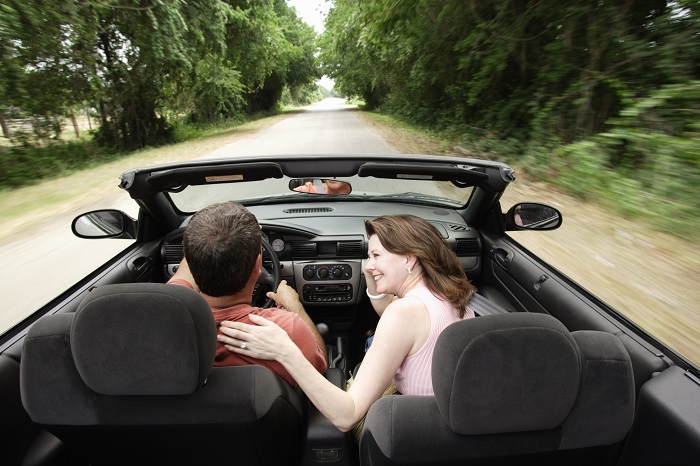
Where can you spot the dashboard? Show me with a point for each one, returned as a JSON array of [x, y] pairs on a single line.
[[322, 248]]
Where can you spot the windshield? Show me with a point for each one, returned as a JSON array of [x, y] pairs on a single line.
[[438, 193]]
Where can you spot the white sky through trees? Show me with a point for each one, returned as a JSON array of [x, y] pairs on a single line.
[[314, 12]]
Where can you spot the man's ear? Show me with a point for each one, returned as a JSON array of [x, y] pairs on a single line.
[[258, 265]]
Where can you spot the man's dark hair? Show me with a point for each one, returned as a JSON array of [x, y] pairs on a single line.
[[222, 243]]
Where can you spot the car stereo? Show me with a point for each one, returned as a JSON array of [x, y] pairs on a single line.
[[327, 293], [326, 282]]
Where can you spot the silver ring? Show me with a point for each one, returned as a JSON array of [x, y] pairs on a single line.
[[243, 346]]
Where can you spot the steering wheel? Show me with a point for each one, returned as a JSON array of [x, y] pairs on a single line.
[[267, 281]]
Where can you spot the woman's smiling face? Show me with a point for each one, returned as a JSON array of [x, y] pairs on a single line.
[[388, 269]]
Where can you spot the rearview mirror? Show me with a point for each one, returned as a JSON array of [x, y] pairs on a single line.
[[532, 216], [320, 186], [104, 224]]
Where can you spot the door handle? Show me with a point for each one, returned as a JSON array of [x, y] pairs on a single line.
[[502, 257], [540, 281]]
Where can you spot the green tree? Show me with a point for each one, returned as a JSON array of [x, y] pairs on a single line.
[[137, 61], [511, 68]]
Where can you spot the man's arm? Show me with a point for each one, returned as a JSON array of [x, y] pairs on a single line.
[[287, 298]]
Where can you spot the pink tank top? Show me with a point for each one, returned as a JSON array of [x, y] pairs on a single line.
[[414, 377]]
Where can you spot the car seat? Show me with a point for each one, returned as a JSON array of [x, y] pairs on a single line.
[[513, 388], [128, 379]]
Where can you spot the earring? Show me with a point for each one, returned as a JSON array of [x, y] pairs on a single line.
[[410, 270]]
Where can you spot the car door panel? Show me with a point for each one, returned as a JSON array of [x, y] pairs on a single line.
[[523, 283], [538, 288]]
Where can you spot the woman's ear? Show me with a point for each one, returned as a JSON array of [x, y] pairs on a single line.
[[411, 263]]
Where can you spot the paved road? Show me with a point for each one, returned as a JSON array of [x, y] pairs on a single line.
[[37, 268]]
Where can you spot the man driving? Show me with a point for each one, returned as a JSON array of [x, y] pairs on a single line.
[[222, 261]]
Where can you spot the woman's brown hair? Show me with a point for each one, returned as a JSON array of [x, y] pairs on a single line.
[[412, 235]]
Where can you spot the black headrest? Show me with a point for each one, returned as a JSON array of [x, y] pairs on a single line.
[[505, 373], [143, 339]]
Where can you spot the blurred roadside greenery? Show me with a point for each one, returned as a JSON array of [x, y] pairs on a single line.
[[646, 167]]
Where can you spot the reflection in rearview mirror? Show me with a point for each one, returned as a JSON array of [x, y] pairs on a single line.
[[320, 186]]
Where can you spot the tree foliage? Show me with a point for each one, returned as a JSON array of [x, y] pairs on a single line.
[[519, 68], [138, 61]]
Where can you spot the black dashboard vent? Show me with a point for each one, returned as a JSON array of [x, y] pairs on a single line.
[[350, 248], [300, 250], [455, 227], [308, 210], [174, 252], [468, 247]]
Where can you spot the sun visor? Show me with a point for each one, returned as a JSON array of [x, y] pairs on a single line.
[[457, 173], [176, 179]]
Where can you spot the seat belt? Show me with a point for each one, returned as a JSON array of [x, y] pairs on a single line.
[[484, 306]]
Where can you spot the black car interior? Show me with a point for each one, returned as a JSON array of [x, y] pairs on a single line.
[[580, 384]]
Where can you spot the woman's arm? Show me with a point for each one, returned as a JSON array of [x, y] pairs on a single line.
[[392, 342]]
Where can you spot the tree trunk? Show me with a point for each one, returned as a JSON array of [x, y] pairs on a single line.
[[76, 127], [87, 115], [57, 127], [5, 126]]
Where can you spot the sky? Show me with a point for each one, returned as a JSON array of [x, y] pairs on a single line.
[[314, 12]]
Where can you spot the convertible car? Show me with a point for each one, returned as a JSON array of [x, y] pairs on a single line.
[[118, 369]]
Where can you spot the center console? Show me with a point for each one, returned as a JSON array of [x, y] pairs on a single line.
[[328, 283]]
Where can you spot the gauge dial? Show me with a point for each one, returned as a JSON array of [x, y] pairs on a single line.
[[265, 237], [277, 244]]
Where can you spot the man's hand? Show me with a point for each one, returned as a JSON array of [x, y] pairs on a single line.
[[286, 297]]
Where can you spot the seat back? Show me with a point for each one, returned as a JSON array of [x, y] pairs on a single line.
[[510, 388], [128, 378]]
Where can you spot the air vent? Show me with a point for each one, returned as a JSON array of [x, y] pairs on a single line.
[[455, 227], [468, 247], [300, 250], [174, 252], [308, 210], [350, 248]]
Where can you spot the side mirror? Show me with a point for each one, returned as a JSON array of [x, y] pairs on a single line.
[[319, 186], [532, 216], [104, 224]]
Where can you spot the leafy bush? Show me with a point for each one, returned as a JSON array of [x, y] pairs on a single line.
[[646, 165]]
